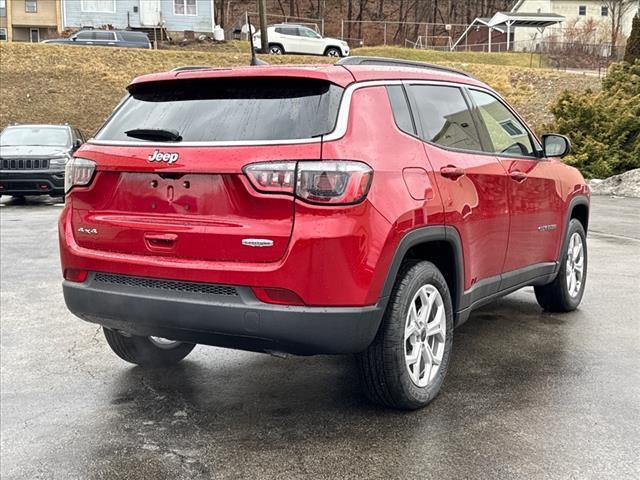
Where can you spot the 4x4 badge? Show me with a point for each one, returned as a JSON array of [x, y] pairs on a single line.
[[168, 157]]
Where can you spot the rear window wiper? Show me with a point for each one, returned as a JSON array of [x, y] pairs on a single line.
[[154, 134]]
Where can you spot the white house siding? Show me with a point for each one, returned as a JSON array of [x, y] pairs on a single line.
[[569, 10], [124, 16]]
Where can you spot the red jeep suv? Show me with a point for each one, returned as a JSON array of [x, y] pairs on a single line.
[[365, 207]]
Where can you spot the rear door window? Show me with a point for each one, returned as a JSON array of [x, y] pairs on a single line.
[[224, 110], [104, 36], [444, 117]]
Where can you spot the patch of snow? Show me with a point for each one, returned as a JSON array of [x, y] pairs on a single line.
[[624, 185]]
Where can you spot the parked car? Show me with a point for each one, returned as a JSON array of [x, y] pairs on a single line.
[[106, 38], [332, 209], [290, 38], [33, 158]]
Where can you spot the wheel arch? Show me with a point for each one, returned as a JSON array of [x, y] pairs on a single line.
[[277, 44], [578, 209], [329, 47], [440, 245]]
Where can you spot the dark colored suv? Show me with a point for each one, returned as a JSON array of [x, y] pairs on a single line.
[[106, 38], [33, 158], [365, 207]]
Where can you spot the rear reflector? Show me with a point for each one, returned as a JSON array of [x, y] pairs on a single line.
[[277, 296], [75, 275], [324, 182]]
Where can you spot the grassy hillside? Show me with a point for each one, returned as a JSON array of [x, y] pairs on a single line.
[[80, 85], [514, 59]]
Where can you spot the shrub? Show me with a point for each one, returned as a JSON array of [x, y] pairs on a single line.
[[604, 126], [632, 52]]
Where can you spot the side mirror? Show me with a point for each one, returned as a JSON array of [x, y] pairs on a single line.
[[77, 144], [74, 38], [555, 145]]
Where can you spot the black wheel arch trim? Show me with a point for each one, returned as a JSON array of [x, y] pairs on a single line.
[[575, 201], [428, 234]]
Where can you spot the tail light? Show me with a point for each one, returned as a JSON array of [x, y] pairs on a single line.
[[272, 177], [78, 172], [324, 182]]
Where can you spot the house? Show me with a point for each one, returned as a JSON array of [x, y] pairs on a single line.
[[29, 20], [587, 21], [175, 16]]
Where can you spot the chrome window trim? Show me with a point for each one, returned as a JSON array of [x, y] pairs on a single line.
[[339, 131]]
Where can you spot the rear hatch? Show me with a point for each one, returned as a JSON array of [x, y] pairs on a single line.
[[170, 161]]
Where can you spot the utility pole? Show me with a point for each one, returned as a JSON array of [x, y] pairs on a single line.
[[264, 40]]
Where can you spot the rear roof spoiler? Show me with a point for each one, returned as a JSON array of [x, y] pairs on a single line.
[[397, 62]]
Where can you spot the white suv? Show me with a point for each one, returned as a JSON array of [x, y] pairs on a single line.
[[290, 38]]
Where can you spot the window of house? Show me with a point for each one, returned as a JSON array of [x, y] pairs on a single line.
[[3, 8], [185, 7], [31, 6], [507, 135], [3, 34], [105, 6], [604, 11], [444, 117], [582, 10]]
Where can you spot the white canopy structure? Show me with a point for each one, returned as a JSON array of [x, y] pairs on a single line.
[[506, 21]]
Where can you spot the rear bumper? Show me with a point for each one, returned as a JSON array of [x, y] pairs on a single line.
[[223, 316], [32, 182]]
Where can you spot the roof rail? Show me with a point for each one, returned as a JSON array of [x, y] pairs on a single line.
[[398, 62], [190, 67]]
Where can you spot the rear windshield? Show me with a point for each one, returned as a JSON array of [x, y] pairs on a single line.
[[223, 110]]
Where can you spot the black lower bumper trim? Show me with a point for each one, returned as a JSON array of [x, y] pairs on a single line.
[[33, 182], [240, 321]]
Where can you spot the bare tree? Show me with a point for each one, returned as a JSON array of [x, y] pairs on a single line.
[[618, 10]]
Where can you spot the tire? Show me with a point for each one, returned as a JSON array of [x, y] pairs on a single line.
[[145, 351], [276, 50], [333, 52], [387, 377], [561, 295]]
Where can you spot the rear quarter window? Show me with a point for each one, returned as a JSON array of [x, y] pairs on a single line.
[[223, 110], [134, 37]]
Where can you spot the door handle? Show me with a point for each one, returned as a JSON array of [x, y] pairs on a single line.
[[160, 241], [452, 172], [518, 176]]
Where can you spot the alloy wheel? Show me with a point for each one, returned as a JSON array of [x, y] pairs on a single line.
[[575, 264], [424, 335]]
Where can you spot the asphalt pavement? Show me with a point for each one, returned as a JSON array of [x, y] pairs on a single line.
[[528, 394]]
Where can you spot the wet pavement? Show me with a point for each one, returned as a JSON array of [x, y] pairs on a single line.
[[528, 394]]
